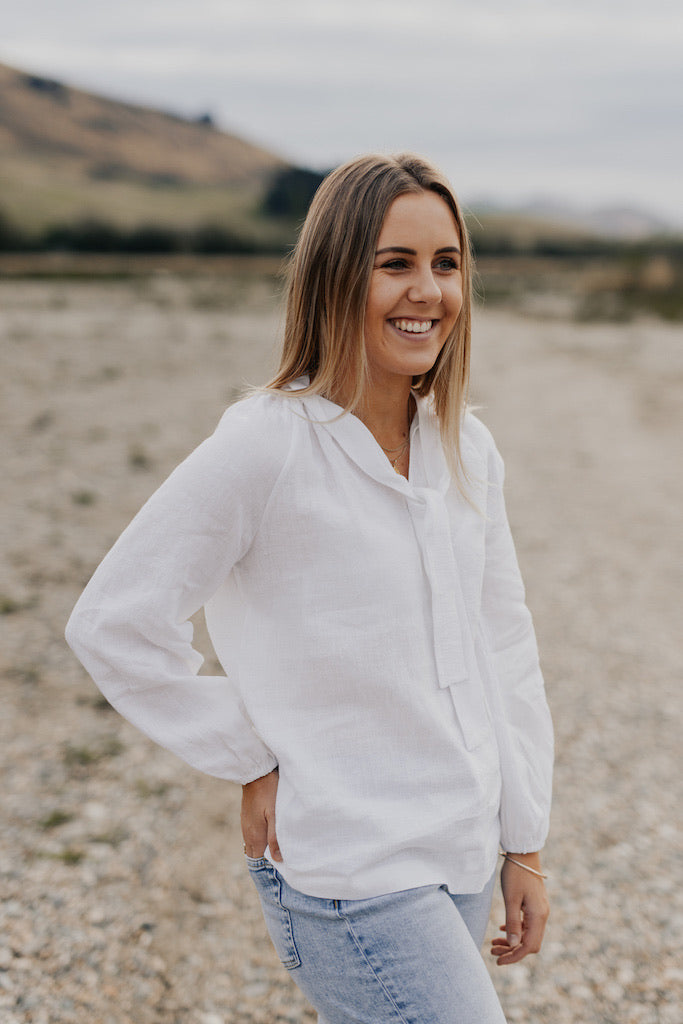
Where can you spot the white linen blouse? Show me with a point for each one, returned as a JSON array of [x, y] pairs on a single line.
[[374, 635]]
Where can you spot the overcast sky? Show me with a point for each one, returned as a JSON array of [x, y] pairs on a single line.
[[580, 100]]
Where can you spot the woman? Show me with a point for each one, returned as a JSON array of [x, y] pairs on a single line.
[[382, 707]]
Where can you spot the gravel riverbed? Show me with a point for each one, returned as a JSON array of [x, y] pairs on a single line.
[[124, 896]]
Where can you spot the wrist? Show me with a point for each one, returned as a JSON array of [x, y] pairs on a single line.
[[262, 780], [530, 862], [528, 858]]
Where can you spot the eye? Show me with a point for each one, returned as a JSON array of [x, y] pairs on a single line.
[[447, 263], [397, 263]]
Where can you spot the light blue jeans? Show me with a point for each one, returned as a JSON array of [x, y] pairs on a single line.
[[410, 957]]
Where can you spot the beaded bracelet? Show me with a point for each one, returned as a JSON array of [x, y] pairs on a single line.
[[539, 874]]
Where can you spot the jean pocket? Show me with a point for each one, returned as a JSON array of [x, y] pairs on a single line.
[[254, 863], [277, 917]]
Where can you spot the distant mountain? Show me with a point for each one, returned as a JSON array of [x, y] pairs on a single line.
[[625, 222], [67, 154], [106, 140], [619, 222]]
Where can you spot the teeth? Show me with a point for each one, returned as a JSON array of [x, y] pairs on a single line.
[[414, 326]]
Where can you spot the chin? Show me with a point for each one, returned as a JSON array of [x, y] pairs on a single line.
[[420, 367]]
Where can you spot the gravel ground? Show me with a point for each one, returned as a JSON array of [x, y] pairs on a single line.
[[124, 897]]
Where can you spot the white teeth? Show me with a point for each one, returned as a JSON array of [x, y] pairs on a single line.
[[414, 326]]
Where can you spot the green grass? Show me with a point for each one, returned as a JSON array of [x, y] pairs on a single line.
[[55, 819], [84, 755], [69, 855], [114, 837], [146, 789], [35, 198]]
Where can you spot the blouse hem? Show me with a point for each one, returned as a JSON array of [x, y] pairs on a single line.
[[396, 881]]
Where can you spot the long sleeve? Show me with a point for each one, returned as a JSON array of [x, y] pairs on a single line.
[[524, 728], [130, 628]]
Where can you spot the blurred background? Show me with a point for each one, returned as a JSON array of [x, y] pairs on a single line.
[[154, 128], [156, 161]]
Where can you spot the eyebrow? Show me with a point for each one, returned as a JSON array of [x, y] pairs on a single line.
[[413, 252]]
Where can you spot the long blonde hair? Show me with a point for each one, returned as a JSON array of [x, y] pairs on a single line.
[[328, 282]]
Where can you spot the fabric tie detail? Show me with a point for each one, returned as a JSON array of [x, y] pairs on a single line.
[[454, 652]]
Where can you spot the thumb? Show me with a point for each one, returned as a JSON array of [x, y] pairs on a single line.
[[513, 926], [273, 845]]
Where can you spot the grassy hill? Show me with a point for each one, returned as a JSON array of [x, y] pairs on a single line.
[[66, 154], [81, 173]]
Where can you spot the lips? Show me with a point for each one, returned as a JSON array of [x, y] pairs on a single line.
[[413, 326]]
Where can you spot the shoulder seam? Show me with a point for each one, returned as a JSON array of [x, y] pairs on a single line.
[[276, 482]]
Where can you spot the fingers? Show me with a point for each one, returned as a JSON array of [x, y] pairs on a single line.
[[501, 949], [509, 952], [255, 834], [526, 914], [258, 817]]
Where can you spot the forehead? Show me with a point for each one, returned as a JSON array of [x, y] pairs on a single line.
[[419, 216]]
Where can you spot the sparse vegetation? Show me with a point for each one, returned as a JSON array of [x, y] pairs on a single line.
[[8, 605], [146, 789], [138, 458], [84, 497], [70, 855], [608, 279], [114, 837], [83, 756], [42, 421], [111, 373], [55, 819], [100, 703], [27, 675], [626, 281]]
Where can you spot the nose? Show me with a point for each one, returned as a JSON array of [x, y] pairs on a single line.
[[424, 287]]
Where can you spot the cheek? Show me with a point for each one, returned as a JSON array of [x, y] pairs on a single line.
[[382, 298], [455, 301]]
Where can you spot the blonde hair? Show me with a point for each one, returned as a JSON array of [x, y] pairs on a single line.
[[329, 278]]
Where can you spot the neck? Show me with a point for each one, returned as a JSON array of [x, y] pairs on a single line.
[[387, 413]]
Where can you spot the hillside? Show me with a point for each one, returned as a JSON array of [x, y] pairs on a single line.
[[66, 153], [84, 174]]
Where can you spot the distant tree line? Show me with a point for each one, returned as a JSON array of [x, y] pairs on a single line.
[[284, 203], [283, 206], [93, 234], [290, 192], [96, 235], [572, 248]]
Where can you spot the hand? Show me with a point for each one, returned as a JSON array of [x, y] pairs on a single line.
[[526, 910], [258, 816]]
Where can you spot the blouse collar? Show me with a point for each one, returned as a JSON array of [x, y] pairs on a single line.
[[351, 434]]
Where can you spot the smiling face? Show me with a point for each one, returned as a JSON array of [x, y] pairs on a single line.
[[415, 294]]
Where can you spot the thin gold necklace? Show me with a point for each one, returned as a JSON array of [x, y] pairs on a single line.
[[401, 448], [394, 463], [403, 444]]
